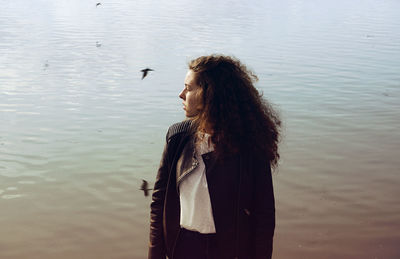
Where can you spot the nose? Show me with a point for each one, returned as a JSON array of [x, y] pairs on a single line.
[[182, 94]]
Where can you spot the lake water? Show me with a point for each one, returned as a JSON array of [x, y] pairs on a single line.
[[79, 129]]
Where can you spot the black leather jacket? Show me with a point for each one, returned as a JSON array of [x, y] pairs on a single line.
[[241, 195]]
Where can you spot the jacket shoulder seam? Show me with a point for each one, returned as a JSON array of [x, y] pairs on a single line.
[[180, 127]]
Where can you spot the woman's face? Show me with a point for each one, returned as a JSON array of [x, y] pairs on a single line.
[[191, 95]]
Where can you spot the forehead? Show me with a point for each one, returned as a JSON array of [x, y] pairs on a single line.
[[190, 78]]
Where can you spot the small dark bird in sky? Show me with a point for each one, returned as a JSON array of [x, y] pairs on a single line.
[[46, 65], [144, 187], [98, 4], [145, 71]]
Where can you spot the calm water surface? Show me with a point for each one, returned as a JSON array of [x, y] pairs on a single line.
[[79, 129]]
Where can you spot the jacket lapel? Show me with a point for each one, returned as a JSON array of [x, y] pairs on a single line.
[[186, 162]]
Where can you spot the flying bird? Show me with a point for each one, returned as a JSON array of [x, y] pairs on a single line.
[[144, 187], [98, 4], [46, 65], [145, 71]]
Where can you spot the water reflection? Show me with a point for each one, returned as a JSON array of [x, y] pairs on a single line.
[[80, 130]]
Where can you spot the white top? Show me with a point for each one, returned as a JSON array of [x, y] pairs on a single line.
[[196, 211]]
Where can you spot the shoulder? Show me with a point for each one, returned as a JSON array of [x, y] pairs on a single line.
[[179, 128]]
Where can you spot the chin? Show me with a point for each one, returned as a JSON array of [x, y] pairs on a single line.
[[191, 116], [188, 115]]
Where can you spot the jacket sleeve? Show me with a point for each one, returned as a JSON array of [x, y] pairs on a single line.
[[264, 210], [157, 245]]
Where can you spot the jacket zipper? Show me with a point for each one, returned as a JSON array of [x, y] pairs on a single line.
[[185, 174], [195, 163]]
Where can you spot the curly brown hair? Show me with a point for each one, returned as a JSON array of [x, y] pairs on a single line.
[[234, 110]]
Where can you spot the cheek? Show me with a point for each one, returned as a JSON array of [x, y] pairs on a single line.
[[194, 100], [198, 101], [190, 100]]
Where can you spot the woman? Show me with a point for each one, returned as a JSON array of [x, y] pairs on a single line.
[[213, 197]]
